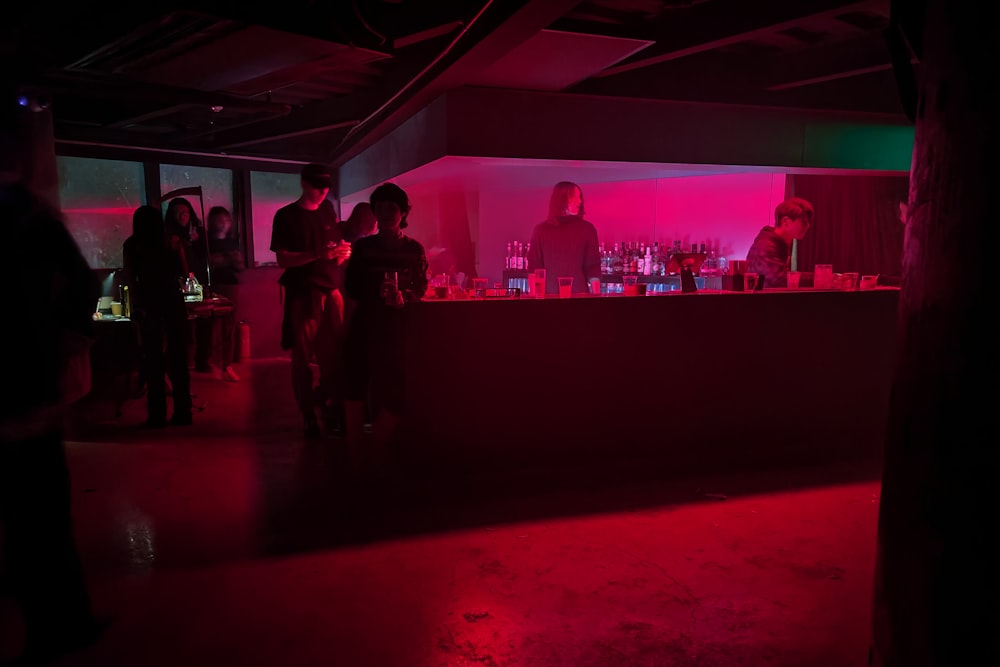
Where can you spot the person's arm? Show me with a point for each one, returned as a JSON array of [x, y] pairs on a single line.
[[354, 278], [592, 255], [535, 258], [182, 253], [419, 275], [767, 260], [291, 258]]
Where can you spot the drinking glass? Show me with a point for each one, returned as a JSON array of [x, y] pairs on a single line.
[[823, 276], [538, 286], [565, 286], [630, 285]]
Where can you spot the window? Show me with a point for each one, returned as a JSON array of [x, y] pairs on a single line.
[[97, 198], [270, 191], [216, 186]]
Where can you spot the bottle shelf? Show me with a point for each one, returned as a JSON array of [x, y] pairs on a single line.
[[612, 283], [612, 278]]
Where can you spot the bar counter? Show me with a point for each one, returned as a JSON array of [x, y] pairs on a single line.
[[701, 382]]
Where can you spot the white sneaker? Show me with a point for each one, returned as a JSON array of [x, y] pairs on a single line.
[[229, 374]]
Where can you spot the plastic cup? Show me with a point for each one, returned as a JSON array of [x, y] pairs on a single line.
[[479, 287], [823, 276], [793, 279], [538, 284], [565, 286], [630, 285]]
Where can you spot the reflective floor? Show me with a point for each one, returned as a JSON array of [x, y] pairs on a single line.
[[234, 541]]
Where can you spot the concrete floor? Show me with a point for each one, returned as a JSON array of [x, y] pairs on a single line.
[[235, 542]]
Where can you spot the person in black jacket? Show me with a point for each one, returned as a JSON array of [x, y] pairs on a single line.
[[154, 268], [42, 570], [386, 272], [770, 254]]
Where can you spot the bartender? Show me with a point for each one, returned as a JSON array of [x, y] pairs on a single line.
[[565, 244], [771, 253]]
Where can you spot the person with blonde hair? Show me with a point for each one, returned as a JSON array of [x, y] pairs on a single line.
[[565, 243]]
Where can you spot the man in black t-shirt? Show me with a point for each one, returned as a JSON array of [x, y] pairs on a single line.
[[309, 245]]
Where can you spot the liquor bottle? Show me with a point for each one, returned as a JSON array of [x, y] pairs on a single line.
[[519, 257], [509, 258], [710, 266], [527, 253], [617, 261], [647, 264]]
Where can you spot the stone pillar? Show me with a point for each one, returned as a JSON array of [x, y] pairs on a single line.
[[27, 143], [935, 594]]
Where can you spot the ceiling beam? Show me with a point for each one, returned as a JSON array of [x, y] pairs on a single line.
[[500, 26]]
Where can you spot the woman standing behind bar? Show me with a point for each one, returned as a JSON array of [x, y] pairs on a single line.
[[386, 271], [565, 244]]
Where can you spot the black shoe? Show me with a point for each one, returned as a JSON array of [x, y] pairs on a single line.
[[181, 419], [311, 429]]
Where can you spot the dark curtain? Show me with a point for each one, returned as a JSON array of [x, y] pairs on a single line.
[[857, 226]]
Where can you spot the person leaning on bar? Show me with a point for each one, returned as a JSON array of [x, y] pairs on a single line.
[[771, 252], [565, 244]]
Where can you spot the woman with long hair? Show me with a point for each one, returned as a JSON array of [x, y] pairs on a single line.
[[565, 244]]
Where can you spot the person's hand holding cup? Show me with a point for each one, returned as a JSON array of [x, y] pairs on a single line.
[[390, 290]]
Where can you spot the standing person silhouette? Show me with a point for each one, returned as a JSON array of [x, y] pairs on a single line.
[[42, 570], [309, 245], [226, 261], [181, 222], [387, 271], [565, 243], [360, 223], [770, 255], [154, 267]]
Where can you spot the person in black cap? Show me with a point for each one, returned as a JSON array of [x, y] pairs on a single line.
[[387, 271], [309, 245]]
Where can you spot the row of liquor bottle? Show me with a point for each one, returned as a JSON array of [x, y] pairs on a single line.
[[517, 256], [652, 259], [633, 257]]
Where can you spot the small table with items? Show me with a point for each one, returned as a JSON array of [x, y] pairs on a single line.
[[115, 354]]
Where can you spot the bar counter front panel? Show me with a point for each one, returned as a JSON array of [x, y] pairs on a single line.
[[702, 382]]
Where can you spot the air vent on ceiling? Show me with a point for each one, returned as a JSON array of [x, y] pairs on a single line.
[[554, 60]]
